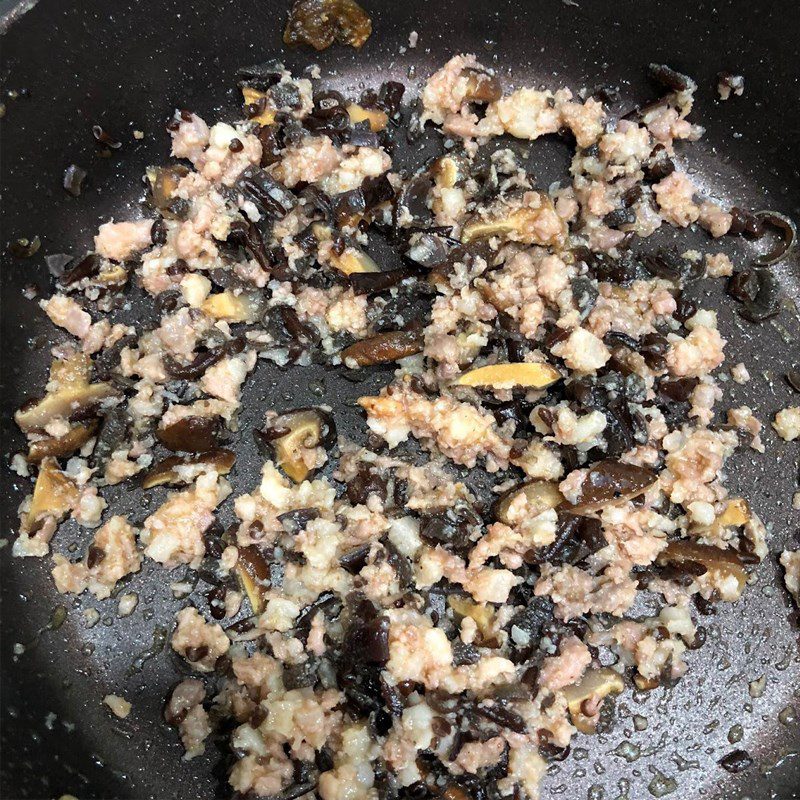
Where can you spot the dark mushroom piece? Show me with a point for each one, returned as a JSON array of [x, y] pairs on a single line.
[[383, 348], [113, 430], [321, 22], [534, 497], [195, 368], [61, 446], [481, 86], [670, 78], [263, 190], [291, 435], [166, 471], [719, 563], [163, 183], [253, 572], [191, 434], [372, 282], [766, 302], [261, 76], [611, 481]]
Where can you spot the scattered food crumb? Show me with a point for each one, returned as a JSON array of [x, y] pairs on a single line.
[[127, 604], [119, 706], [728, 84], [787, 423], [739, 373]]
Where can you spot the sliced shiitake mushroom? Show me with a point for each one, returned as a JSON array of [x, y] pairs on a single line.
[[167, 471], [73, 399], [321, 22], [383, 348], [163, 182], [112, 275], [60, 446], [351, 260], [721, 564], [252, 570], [481, 86], [376, 118], [292, 434], [54, 494], [535, 223], [585, 698], [736, 514], [528, 375], [258, 101], [232, 307], [449, 170], [191, 434], [482, 614], [610, 481], [534, 497]]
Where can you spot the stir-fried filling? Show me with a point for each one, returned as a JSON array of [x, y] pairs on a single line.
[[395, 635]]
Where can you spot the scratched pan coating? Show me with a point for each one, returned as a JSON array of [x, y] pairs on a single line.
[[127, 65]]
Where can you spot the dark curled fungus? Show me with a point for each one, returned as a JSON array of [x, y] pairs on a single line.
[[201, 362], [788, 233]]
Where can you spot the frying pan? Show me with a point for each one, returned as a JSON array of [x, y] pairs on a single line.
[[126, 66]]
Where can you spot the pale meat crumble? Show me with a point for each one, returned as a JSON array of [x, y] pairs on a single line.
[[380, 625]]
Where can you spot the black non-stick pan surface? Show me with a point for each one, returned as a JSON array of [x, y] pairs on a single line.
[[127, 65]]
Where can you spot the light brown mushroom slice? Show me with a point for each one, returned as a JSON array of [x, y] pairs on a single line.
[[736, 514], [166, 471], [164, 183], [72, 371], [539, 496], [112, 274], [483, 615], [377, 119], [305, 433], [530, 224], [588, 695], [67, 402], [526, 375], [54, 494], [353, 260], [60, 446], [252, 570], [254, 96], [448, 171], [231, 307]]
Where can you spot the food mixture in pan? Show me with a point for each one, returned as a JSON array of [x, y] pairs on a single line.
[[370, 628]]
